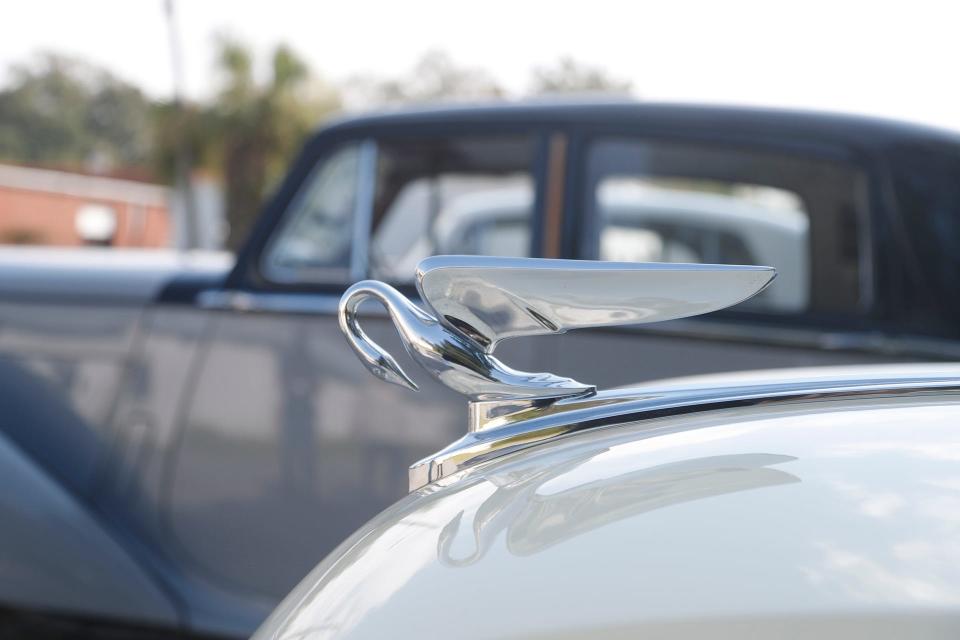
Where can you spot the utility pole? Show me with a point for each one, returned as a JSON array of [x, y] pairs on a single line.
[[183, 160]]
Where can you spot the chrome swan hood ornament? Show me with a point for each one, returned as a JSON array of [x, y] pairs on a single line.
[[473, 303], [454, 351]]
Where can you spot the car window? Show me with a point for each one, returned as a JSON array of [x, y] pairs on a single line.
[[450, 195], [666, 202], [314, 241], [926, 182]]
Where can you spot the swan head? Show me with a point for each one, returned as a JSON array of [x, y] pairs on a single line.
[[373, 356], [383, 366]]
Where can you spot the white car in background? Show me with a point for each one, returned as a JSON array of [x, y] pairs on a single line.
[[641, 223]]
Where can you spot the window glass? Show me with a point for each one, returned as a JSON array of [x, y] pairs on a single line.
[[314, 241], [926, 181], [663, 202], [457, 195]]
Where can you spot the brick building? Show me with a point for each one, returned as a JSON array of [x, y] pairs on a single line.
[[57, 208]]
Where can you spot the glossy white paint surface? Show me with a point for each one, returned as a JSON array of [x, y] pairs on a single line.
[[816, 519]]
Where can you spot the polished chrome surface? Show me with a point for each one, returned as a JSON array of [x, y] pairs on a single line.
[[448, 354], [492, 299], [479, 301], [547, 422]]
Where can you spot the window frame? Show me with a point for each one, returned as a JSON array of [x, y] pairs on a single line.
[[579, 218], [359, 220], [249, 273], [536, 141]]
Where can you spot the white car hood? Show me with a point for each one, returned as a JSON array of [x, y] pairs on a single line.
[[828, 518]]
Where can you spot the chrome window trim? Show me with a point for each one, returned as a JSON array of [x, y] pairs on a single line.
[[363, 209]]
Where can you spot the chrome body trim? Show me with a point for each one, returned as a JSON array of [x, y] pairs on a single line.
[[550, 421], [256, 302]]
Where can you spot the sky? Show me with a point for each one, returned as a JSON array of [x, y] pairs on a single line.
[[899, 60]]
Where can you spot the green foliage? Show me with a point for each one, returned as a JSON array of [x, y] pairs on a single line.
[[248, 133], [189, 127], [60, 111]]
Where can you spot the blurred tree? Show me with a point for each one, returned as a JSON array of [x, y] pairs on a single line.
[[250, 130], [261, 126], [568, 76], [64, 112], [434, 78], [192, 124]]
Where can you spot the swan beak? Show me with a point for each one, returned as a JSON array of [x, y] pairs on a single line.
[[387, 369]]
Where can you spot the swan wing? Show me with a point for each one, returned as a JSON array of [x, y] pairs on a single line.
[[491, 299]]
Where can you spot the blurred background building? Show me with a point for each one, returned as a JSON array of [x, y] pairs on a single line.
[[42, 206]]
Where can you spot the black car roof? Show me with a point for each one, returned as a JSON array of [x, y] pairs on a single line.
[[859, 130]]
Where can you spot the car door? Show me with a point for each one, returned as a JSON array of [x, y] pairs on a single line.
[[287, 444], [662, 198]]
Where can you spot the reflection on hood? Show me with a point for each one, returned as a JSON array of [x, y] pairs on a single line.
[[536, 519]]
